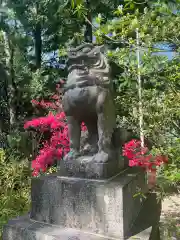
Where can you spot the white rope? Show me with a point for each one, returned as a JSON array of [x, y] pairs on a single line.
[[140, 91]]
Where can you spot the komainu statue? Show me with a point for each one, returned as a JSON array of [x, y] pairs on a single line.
[[89, 98]]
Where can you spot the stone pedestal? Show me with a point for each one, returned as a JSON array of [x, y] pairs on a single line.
[[70, 208], [84, 167]]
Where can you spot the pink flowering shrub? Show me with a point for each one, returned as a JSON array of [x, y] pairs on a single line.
[[57, 144], [141, 157], [54, 147]]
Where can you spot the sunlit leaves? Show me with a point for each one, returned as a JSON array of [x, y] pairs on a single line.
[[76, 3], [80, 10], [62, 51], [119, 10], [99, 18]]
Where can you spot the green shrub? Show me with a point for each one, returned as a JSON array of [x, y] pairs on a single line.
[[14, 190]]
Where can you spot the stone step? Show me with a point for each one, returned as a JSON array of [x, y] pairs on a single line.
[[145, 228], [23, 228]]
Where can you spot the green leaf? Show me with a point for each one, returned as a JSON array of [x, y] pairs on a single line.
[[73, 3]]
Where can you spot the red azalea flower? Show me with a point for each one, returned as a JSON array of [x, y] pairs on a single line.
[[139, 156]]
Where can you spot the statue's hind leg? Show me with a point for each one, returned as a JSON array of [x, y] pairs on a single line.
[[91, 147], [74, 124], [106, 124], [74, 129]]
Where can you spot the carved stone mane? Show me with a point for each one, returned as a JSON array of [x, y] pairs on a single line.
[[87, 66]]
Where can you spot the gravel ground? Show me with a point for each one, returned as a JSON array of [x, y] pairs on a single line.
[[170, 218]]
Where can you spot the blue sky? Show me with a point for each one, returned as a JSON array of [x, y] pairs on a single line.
[[170, 55]]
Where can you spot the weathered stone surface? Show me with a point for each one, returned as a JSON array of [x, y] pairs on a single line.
[[146, 225], [15, 230], [89, 98], [85, 167], [105, 207], [144, 228]]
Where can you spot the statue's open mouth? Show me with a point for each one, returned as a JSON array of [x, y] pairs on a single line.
[[82, 68], [79, 68]]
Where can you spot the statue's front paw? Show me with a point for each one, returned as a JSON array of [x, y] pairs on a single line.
[[90, 149], [73, 154], [101, 157]]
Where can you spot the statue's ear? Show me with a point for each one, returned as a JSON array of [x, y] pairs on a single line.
[[102, 48]]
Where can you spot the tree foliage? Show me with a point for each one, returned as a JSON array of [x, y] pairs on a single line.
[[34, 37], [160, 76]]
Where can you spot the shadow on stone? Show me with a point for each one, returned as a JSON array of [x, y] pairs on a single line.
[[146, 225]]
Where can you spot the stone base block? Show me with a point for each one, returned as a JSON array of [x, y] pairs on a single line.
[[106, 207], [85, 167], [144, 228]]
